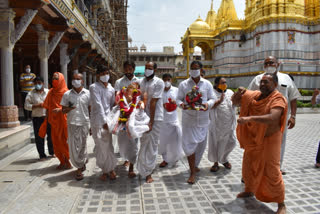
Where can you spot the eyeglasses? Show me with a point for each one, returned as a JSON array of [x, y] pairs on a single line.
[[269, 63]]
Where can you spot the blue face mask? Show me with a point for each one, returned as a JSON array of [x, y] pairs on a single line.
[[38, 87]]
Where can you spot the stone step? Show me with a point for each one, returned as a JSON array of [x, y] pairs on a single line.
[[13, 139]]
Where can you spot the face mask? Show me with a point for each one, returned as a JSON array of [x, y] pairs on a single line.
[[148, 72], [76, 83], [167, 84], [222, 87], [195, 73], [105, 78], [55, 83], [270, 70], [129, 75], [38, 87], [28, 70]]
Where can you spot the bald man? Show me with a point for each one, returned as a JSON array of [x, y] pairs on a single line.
[[75, 103]]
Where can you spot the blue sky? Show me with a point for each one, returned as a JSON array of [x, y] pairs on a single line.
[[158, 23]]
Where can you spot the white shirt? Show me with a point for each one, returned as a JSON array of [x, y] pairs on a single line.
[[101, 101], [34, 97], [80, 115], [285, 86], [169, 117], [124, 82], [154, 89], [318, 99], [192, 118]]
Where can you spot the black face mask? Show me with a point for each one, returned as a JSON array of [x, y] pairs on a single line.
[[129, 75]]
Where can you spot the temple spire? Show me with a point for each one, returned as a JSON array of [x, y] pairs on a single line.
[[211, 17]]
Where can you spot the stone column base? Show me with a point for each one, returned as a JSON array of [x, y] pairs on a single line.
[[9, 117]]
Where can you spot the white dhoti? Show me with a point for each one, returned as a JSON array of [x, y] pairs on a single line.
[[170, 146], [283, 146], [77, 141], [194, 141], [103, 150], [128, 148], [149, 143], [221, 143]]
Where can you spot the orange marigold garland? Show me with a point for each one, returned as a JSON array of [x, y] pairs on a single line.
[[125, 112]]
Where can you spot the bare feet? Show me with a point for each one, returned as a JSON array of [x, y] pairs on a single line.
[[149, 179], [192, 179], [227, 165], [126, 163], [317, 165], [67, 165], [83, 168], [61, 166], [103, 177], [245, 195], [131, 174], [113, 175], [281, 209], [197, 169], [163, 164]]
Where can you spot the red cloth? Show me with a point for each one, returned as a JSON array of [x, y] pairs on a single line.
[[43, 129], [58, 121]]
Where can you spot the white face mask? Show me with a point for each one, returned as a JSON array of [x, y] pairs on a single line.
[[148, 72], [28, 70], [195, 73], [167, 84], [105, 78], [76, 83], [270, 70]]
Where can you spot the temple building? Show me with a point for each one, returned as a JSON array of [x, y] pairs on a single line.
[[235, 48]]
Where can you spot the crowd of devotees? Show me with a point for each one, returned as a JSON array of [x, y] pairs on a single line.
[[142, 115]]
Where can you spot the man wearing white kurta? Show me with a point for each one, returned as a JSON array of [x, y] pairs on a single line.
[[128, 148], [288, 89], [102, 98], [149, 142], [75, 103], [170, 146], [222, 135], [195, 123]]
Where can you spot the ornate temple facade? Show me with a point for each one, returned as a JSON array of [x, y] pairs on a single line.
[[235, 48], [58, 35]]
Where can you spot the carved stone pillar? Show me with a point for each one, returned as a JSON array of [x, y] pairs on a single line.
[[8, 111], [89, 79], [43, 46], [84, 73], [64, 60]]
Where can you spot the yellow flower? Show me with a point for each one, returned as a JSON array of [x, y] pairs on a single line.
[[121, 100], [132, 104]]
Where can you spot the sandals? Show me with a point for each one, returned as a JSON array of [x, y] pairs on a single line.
[[215, 168], [163, 164], [227, 165], [79, 175]]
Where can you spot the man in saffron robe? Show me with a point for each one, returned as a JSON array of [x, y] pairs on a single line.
[[58, 120], [260, 127]]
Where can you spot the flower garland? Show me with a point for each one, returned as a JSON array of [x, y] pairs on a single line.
[[126, 111]]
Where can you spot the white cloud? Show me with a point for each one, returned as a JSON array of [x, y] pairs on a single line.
[[158, 23]]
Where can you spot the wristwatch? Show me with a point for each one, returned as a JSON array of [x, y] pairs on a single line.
[[293, 116]]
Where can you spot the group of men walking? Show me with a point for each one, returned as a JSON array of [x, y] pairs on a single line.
[[208, 116]]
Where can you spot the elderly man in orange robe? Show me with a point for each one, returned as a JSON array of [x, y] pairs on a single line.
[[260, 127], [58, 120]]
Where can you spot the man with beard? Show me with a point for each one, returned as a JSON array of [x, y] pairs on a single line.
[[261, 123], [288, 89], [128, 147]]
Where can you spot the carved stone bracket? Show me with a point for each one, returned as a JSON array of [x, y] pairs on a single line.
[[64, 58], [54, 42], [85, 57], [23, 25], [92, 60], [74, 51]]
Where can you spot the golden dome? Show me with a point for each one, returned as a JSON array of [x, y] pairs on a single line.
[[199, 25]]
